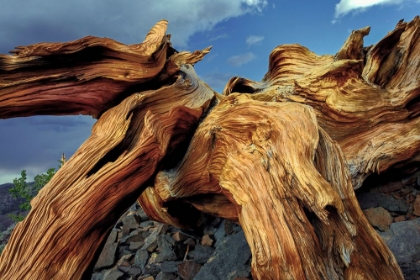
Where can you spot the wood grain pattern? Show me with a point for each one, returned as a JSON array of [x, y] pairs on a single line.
[[282, 156]]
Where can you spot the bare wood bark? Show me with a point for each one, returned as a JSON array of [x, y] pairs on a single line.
[[74, 212], [290, 189], [366, 99], [86, 76]]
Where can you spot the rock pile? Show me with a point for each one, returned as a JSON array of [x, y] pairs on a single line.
[[142, 249], [392, 206], [139, 248]]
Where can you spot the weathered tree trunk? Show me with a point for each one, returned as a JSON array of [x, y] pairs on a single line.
[[281, 156], [74, 212]]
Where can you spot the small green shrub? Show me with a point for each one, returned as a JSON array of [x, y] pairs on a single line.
[[27, 191]]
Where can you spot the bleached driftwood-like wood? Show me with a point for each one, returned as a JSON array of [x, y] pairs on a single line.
[[281, 156]]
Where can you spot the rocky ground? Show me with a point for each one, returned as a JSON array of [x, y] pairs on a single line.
[[139, 248]]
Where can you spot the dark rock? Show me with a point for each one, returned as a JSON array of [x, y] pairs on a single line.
[[141, 258], [130, 222], [166, 251], [220, 233], [126, 258], [124, 264], [165, 276], [142, 215], [107, 257], [403, 239], [229, 227], [135, 245], [150, 243], [123, 250], [98, 275], [201, 253], [373, 200], [153, 268], [124, 269], [187, 270], [411, 271], [170, 266], [112, 237], [229, 260], [134, 271], [135, 236], [146, 224], [113, 275]]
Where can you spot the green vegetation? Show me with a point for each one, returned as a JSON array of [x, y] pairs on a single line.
[[27, 191]]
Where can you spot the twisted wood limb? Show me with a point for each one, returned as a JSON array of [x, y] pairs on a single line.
[[290, 189], [72, 215]]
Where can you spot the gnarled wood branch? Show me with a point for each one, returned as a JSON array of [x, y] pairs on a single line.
[[87, 76], [280, 156], [74, 212], [366, 99]]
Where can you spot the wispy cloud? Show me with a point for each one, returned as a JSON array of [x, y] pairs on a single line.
[[51, 20], [252, 40], [346, 6], [241, 59], [222, 36]]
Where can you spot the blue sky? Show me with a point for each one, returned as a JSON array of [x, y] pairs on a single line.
[[242, 33]]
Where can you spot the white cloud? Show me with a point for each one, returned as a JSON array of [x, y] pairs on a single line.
[[251, 40], [346, 6], [241, 59], [127, 21]]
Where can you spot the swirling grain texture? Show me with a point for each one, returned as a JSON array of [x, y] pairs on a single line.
[[282, 156], [72, 215], [366, 98]]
